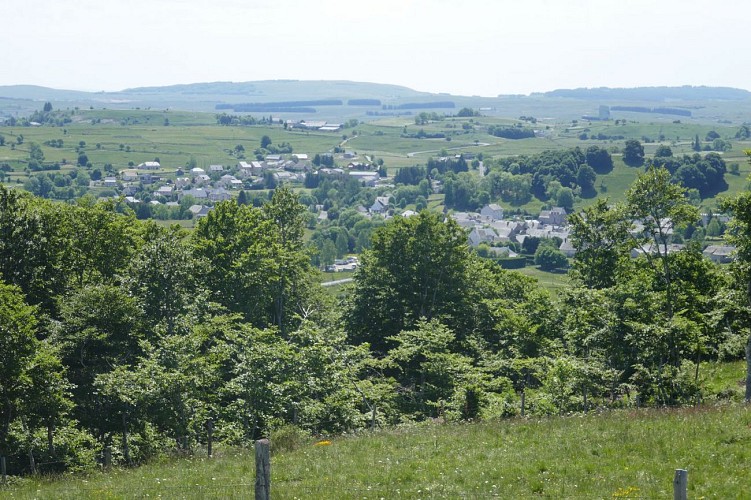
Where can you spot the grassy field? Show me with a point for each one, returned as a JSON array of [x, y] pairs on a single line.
[[173, 145], [621, 454], [553, 282], [119, 137]]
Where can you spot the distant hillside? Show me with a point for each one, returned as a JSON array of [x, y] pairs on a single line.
[[372, 101], [286, 89], [37, 93], [685, 93], [20, 100]]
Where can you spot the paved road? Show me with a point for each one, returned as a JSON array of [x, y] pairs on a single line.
[[337, 282], [465, 146]]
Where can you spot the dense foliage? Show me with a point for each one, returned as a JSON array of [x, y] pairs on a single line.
[[118, 332], [567, 168], [704, 173], [511, 132]]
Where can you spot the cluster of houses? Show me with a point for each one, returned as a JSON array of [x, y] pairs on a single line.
[[216, 183], [489, 227]]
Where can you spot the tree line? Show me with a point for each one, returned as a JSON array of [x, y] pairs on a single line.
[[122, 333]]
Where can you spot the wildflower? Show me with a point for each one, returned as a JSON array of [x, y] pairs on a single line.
[[325, 442], [629, 492]]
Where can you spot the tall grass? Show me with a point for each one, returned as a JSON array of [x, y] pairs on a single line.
[[618, 454]]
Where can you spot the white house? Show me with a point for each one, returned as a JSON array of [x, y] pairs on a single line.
[[146, 177], [482, 235], [182, 182], [506, 229], [465, 219], [492, 211], [282, 176], [368, 178], [202, 180], [567, 248], [149, 165], [199, 211], [197, 193], [226, 180], [129, 175], [249, 169], [219, 194], [333, 172], [245, 169], [164, 191], [556, 216], [653, 249], [380, 205], [721, 254], [330, 127]]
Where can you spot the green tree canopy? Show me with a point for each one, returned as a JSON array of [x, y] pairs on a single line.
[[633, 153], [416, 268], [550, 258]]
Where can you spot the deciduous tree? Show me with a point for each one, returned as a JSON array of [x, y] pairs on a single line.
[[739, 234], [633, 153]]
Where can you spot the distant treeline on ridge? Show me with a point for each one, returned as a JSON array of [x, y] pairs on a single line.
[[284, 106], [687, 93], [364, 102], [642, 109], [421, 105]]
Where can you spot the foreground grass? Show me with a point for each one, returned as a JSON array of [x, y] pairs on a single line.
[[624, 453]]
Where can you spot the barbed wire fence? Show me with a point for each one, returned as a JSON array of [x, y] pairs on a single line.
[[261, 486]]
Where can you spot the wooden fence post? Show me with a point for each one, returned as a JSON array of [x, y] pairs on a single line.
[[263, 470], [126, 450], [32, 463], [4, 471], [209, 436], [680, 485]]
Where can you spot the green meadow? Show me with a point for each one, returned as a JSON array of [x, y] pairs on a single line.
[[604, 454], [620, 454], [177, 138]]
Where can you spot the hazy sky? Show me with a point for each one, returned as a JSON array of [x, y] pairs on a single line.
[[482, 47]]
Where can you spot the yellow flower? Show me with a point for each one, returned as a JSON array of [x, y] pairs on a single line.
[[325, 442], [631, 491]]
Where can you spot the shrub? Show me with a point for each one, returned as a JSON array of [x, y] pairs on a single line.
[[288, 438]]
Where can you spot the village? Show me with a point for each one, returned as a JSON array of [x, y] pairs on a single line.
[[500, 234]]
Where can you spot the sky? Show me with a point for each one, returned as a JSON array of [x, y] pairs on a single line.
[[462, 47]]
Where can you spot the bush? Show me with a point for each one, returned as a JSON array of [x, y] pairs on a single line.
[[549, 258], [73, 451], [288, 438], [512, 262]]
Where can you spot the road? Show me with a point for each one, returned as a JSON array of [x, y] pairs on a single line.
[[337, 282]]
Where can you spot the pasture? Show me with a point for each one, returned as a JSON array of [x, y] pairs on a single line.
[[179, 138], [618, 454]]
